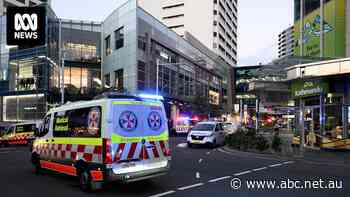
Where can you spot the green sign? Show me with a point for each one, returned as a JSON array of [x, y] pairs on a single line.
[[333, 32], [301, 89]]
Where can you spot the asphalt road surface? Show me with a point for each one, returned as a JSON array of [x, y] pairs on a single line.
[[195, 172]]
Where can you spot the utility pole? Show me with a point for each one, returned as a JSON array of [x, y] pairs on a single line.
[[62, 55], [62, 77]]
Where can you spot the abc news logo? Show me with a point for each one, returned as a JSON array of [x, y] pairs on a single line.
[[24, 23], [26, 26]]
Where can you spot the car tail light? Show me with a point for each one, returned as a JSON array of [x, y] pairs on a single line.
[[107, 151]]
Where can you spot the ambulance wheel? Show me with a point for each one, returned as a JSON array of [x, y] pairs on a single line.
[[36, 163], [86, 183]]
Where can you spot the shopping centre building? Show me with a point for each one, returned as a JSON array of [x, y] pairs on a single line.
[[321, 95], [130, 51]]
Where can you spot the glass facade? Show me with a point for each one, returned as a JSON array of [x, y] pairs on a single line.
[[32, 77], [184, 72], [33, 73], [81, 45]]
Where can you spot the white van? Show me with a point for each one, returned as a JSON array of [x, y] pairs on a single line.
[[116, 138], [206, 133]]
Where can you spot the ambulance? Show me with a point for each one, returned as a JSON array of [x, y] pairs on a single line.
[[19, 134], [113, 138]]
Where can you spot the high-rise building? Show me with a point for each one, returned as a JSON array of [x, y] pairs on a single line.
[[7, 3], [212, 22], [286, 43]]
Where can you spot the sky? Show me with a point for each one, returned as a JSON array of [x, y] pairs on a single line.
[[259, 23]]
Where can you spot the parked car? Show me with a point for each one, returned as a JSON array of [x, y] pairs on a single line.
[[230, 127], [207, 133]]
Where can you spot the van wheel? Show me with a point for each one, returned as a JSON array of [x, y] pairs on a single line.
[[87, 184], [213, 145], [189, 145]]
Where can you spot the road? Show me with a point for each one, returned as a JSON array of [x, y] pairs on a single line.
[[195, 172]]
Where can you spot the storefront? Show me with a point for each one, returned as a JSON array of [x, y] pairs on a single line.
[[322, 103]]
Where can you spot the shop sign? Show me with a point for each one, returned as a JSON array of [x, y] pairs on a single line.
[[301, 89]]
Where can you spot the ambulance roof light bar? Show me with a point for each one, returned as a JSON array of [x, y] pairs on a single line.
[[151, 96]]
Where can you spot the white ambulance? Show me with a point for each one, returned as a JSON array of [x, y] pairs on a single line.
[[114, 138]]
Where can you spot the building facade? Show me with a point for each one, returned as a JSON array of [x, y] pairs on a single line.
[[20, 3], [321, 28], [214, 22], [30, 82], [286, 43], [80, 46], [138, 50]]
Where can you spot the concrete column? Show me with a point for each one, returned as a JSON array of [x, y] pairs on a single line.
[[347, 37], [2, 9], [302, 126], [322, 114]]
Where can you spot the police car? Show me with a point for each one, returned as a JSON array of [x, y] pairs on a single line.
[[114, 138]]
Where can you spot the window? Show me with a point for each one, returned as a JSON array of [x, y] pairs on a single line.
[[108, 45], [84, 122], [119, 79], [142, 45], [45, 127], [25, 128], [119, 38], [174, 6], [107, 80], [174, 16], [176, 26]]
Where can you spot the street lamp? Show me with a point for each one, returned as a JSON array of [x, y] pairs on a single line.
[[62, 56], [62, 76]]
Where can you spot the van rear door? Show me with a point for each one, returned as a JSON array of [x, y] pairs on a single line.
[[140, 133]]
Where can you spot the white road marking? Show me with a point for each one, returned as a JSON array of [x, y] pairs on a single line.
[[182, 145], [288, 162], [190, 186], [219, 179], [7, 152], [163, 194], [200, 160], [245, 156], [275, 165], [7, 149], [259, 169], [242, 173], [208, 153]]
